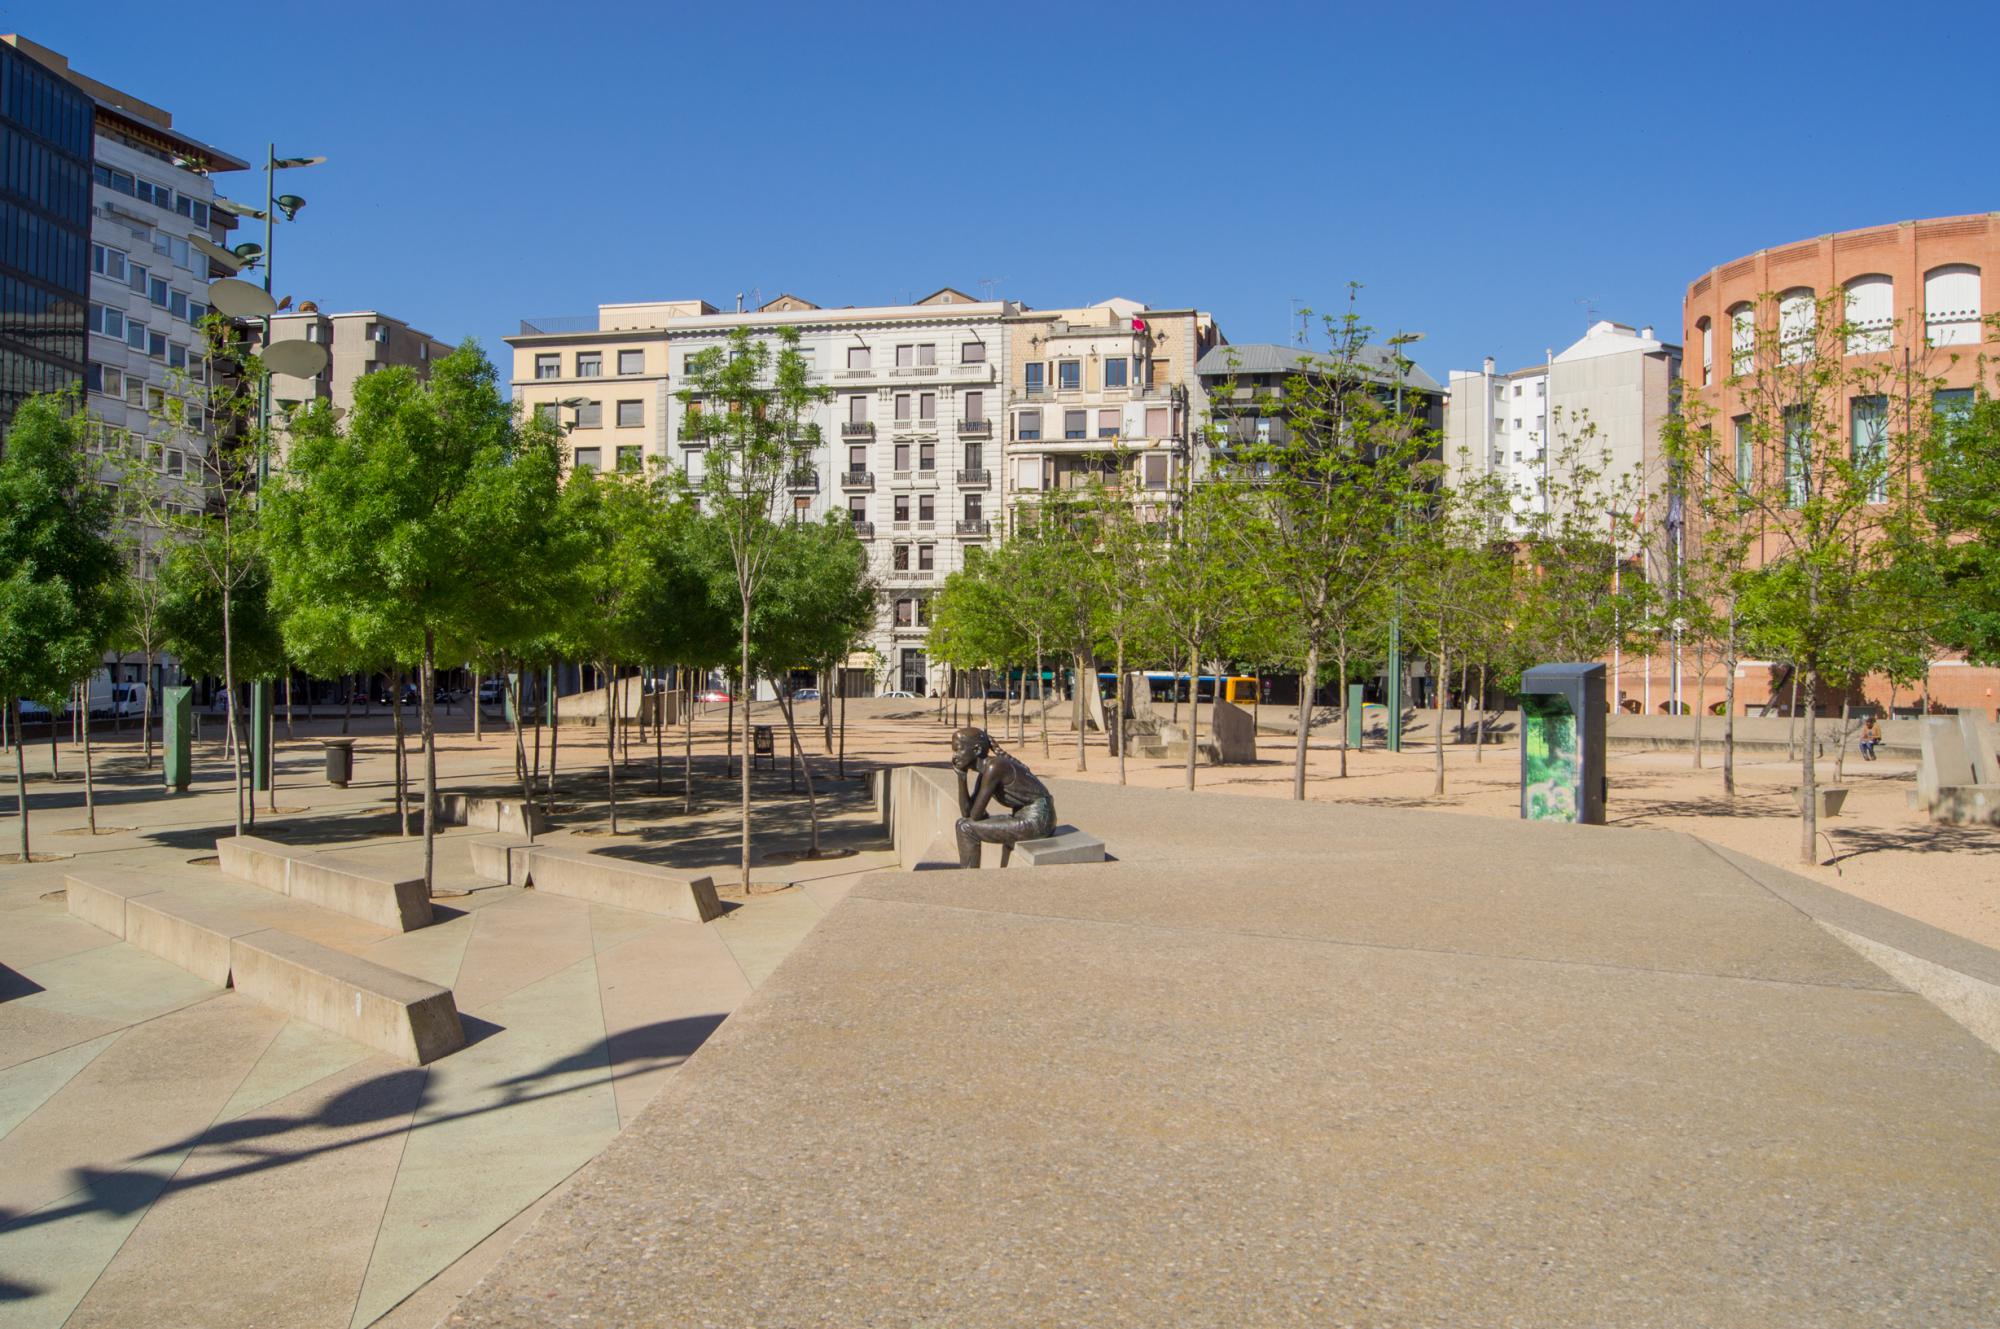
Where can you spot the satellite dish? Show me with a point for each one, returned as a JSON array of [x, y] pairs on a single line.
[[216, 254], [300, 359], [239, 299]]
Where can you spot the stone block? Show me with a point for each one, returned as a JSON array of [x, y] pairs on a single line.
[[392, 1012], [1830, 798], [506, 815], [1943, 761], [101, 896], [1982, 747], [600, 879], [1235, 734], [327, 881], [185, 932], [501, 858], [1067, 845]]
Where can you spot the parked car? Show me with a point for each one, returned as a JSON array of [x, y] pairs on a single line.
[[409, 695], [806, 694], [492, 691], [898, 692], [449, 696], [713, 694]]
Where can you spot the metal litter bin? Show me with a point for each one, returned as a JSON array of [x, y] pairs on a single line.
[[339, 761]]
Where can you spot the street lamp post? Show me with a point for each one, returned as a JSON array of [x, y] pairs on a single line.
[[1395, 670]]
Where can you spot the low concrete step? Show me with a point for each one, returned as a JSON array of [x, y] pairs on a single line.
[[501, 858], [506, 815], [1067, 845], [325, 880], [598, 878]]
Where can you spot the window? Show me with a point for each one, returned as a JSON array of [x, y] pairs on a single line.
[[906, 609], [1742, 338], [857, 510], [906, 357], [1157, 423], [590, 415], [113, 382], [177, 304], [546, 411], [899, 558], [900, 506], [1027, 473], [975, 408], [1798, 456], [1107, 423], [176, 461], [546, 366], [589, 459], [973, 507], [424, 351], [631, 414], [589, 364], [1951, 305], [316, 334], [857, 410], [1870, 433], [858, 357], [927, 354], [628, 459], [903, 407], [927, 406], [156, 345], [927, 456], [926, 507], [1870, 314], [1707, 334], [1028, 427], [1032, 379], [972, 353], [926, 557], [1797, 318], [1155, 467], [108, 262], [1517, 389], [857, 458], [1115, 370], [135, 335], [138, 274], [1953, 407], [156, 291], [1541, 387], [177, 355], [631, 362], [1075, 424], [902, 456], [1069, 375], [135, 390], [109, 321]]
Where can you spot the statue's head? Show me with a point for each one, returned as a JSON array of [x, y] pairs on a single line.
[[969, 747]]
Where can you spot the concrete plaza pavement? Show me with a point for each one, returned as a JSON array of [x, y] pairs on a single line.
[[173, 1153], [1301, 1063]]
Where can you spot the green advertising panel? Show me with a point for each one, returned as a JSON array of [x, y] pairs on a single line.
[[1551, 760], [260, 736], [1356, 712], [177, 735]]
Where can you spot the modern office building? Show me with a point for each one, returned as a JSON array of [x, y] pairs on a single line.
[[1110, 391], [358, 343], [1606, 396], [906, 441], [1915, 293], [46, 126], [1245, 389]]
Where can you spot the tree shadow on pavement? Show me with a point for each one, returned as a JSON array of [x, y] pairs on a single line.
[[1856, 841]]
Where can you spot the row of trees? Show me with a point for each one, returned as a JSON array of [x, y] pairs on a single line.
[[429, 524]]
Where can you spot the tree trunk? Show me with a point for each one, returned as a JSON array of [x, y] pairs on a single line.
[[89, 784], [659, 734], [1300, 739], [1792, 721], [840, 681], [288, 724], [1809, 794], [478, 729], [427, 719], [555, 734], [799, 755], [1729, 714], [611, 709], [748, 690], [1437, 712], [1700, 705], [347, 705], [146, 716], [687, 749], [729, 733], [1080, 707], [402, 752], [1839, 752], [1194, 711], [1479, 746], [229, 686], [20, 772], [1041, 699], [1124, 705], [514, 686]]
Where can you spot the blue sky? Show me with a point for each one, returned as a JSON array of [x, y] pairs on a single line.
[[1491, 174]]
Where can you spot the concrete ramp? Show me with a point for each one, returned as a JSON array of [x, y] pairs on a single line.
[[1303, 1064], [327, 880]]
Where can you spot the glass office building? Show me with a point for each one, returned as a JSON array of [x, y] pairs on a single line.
[[46, 126]]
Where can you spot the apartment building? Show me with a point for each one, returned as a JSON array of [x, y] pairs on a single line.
[[46, 127], [1615, 382], [358, 343], [906, 442], [1110, 391], [1245, 387]]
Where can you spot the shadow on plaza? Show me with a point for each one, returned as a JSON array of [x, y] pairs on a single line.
[[391, 1101], [1922, 839]]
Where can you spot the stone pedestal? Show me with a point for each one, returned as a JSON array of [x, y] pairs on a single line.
[[177, 736]]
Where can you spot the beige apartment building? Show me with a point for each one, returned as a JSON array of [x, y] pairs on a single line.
[[1108, 391], [613, 371], [358, 343]]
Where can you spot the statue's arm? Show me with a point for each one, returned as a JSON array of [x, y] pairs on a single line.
[[989, 784], [964, 794]]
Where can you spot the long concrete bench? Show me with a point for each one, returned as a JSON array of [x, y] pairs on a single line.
[[194, 935], [506, 815], [381, 1008], [329, 882], [600, 879], [501, 858], [101, 896]]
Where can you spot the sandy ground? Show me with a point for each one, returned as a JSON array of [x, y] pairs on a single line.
[[1877, 849]]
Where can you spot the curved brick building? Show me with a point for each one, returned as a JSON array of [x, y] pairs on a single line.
[[1922, 287]]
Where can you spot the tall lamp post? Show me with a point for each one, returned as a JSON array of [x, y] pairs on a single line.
[[1402, 364]]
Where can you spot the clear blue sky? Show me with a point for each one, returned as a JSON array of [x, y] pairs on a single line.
[[1488, 172]]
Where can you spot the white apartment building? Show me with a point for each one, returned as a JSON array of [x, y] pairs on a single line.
[[1514, 426], [907, 449]]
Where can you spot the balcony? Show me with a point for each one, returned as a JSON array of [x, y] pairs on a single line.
[[975, 479], [975, 526], [975, 429], [804, 481], [856, 429], [1036, 392], [914, 371], [857, 479], [864, 530]]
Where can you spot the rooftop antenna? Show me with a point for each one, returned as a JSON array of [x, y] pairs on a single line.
[[1589, 303], [1301, 317], [990, 285]]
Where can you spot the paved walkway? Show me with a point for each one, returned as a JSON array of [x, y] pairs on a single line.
[[1305, 1064], [172, 1153]]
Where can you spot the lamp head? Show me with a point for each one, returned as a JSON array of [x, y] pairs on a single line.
[[289, 204], [287, 163]]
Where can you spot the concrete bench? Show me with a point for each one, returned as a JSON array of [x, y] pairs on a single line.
[[101, 896], [501, 858], [1067, 845], [329, 882], [506, 815], [582, 875], [381, 1008], [194, 935]]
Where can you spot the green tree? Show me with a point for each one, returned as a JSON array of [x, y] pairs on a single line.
[[1962, 462], [426, 511], [61, 581], [1458, 574], [1201, 582], [750, 406]]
